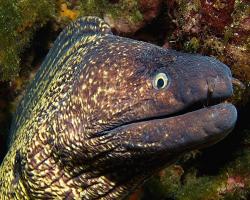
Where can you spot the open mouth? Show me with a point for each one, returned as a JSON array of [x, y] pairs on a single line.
[[201, 124], [196, 127], [202, 105]]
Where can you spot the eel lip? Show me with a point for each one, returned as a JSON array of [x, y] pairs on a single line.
[[180, 133], [207, 126]]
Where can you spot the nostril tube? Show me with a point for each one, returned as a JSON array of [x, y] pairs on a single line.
[[210, 90], [238, 83]]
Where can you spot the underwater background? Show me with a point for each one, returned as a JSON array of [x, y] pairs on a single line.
[[219, 28]]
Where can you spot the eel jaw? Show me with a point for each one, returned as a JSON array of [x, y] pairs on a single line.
[[178, 134]]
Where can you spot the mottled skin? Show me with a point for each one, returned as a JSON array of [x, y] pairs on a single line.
[[92, 125]]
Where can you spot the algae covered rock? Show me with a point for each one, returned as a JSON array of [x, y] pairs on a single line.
[[140, 13], [18, 21], [207, 178], [217, 28]]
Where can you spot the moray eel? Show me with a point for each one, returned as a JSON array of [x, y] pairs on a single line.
[[104, 113]]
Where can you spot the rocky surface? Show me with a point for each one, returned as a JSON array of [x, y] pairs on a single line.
[[216, 28]]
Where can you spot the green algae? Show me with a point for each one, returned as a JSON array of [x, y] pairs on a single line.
[[160, 187], [125, 9], [18, 21], [192, 45], [199, 189]]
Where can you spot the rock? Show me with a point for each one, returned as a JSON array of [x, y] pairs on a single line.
[[123, 26], [150, 9], [211, 27], [146, 12], [18, 21]]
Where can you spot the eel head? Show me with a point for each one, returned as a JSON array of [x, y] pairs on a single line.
[[137, 107]]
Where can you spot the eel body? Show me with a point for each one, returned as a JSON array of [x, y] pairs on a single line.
[[104, 113]]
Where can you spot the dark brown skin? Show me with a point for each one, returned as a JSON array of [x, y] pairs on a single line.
[[105, 112]]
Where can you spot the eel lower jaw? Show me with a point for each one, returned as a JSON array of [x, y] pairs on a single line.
[[179, 133], [209, 125]]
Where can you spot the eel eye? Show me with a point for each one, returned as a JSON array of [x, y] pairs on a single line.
[[160, 81]]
